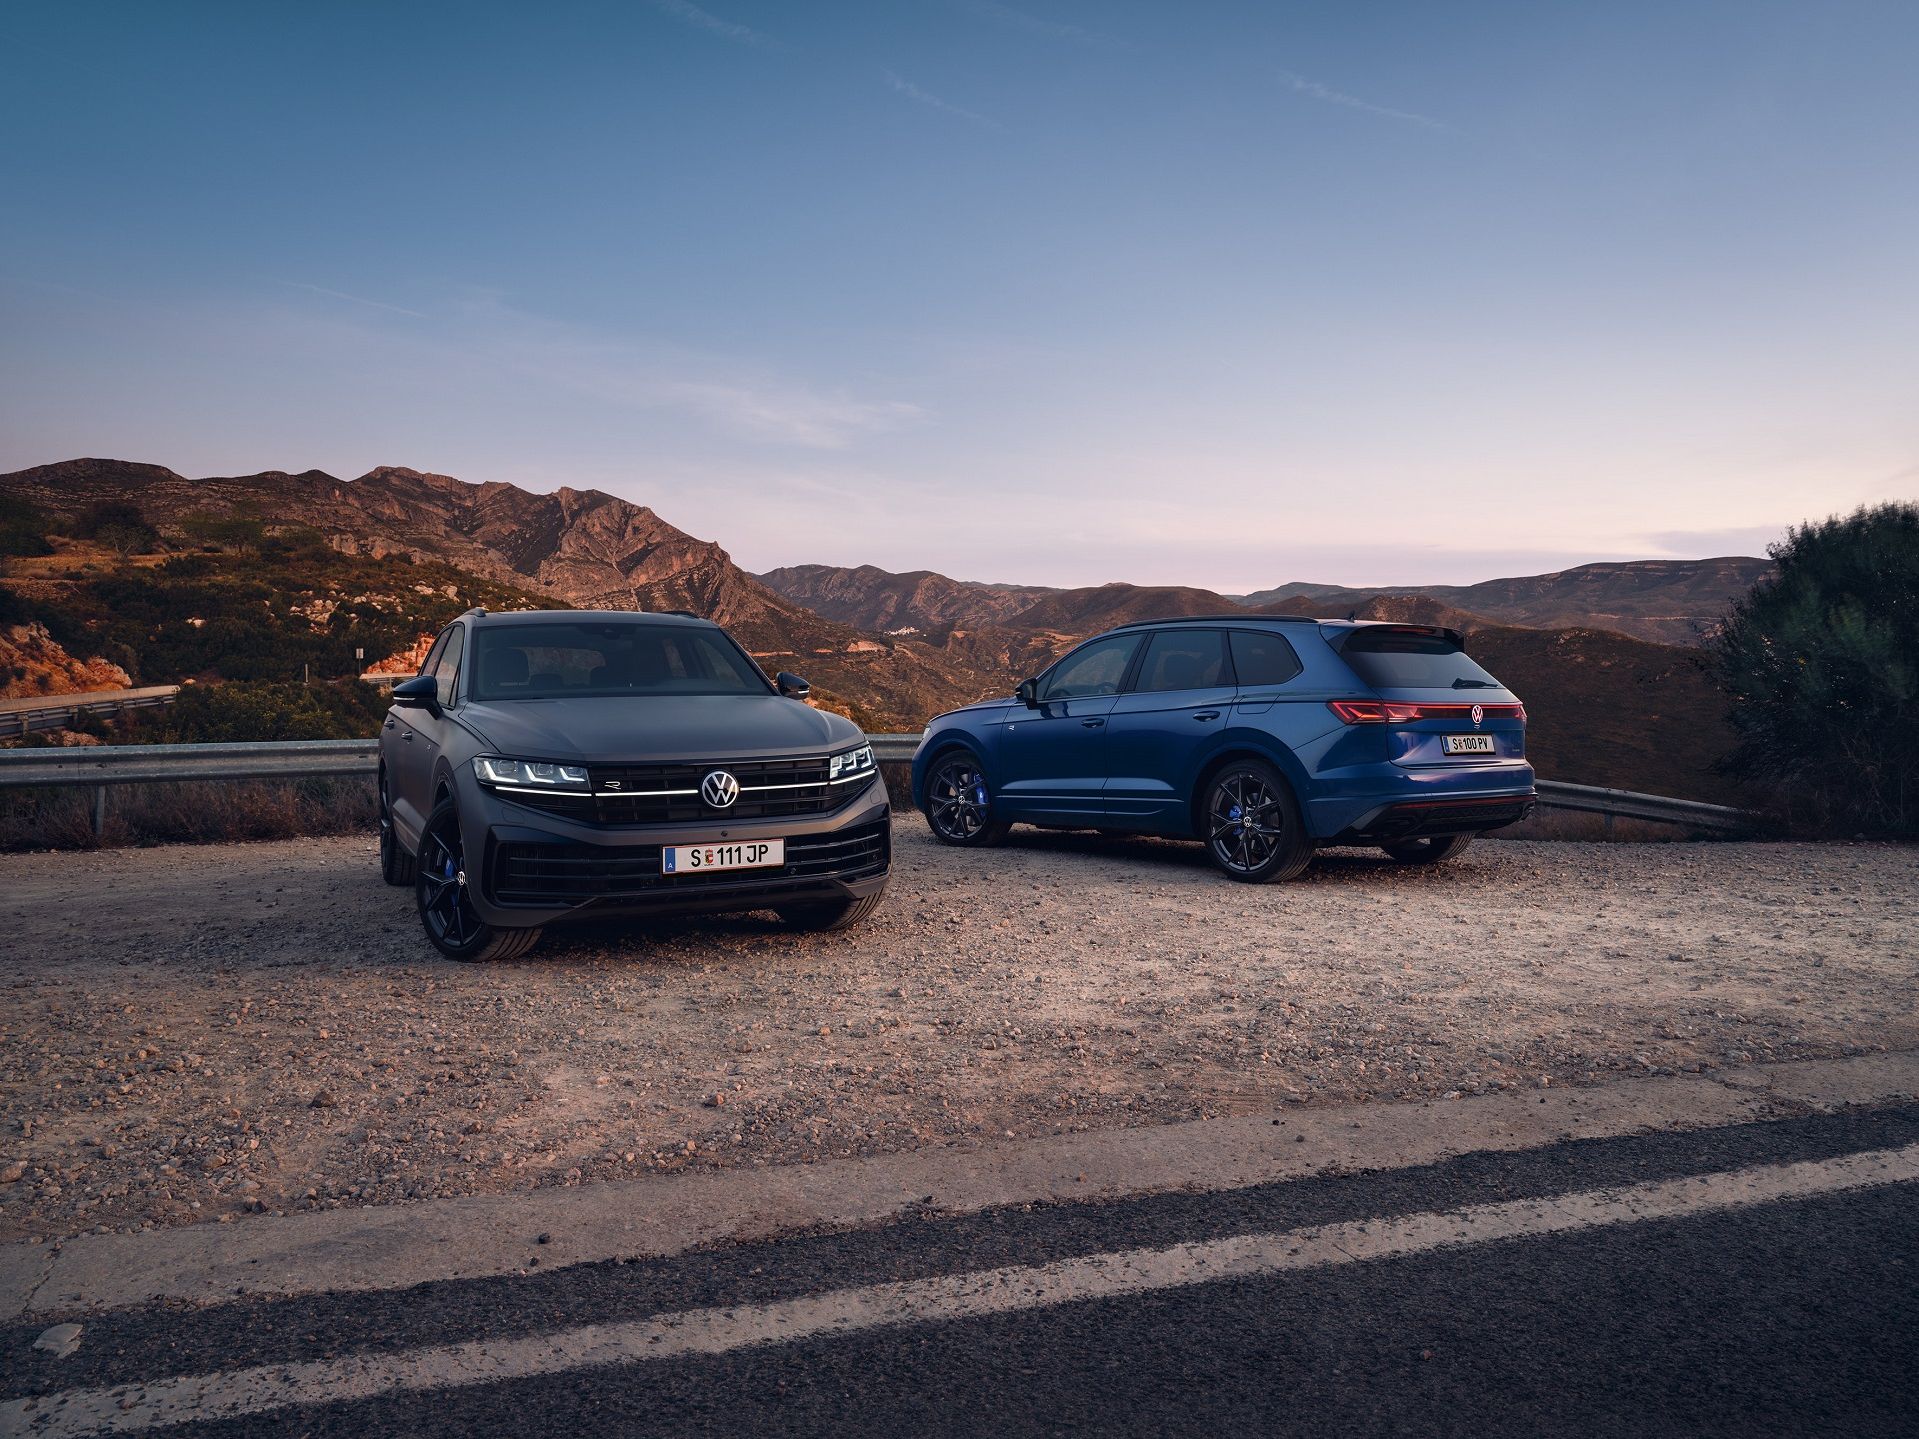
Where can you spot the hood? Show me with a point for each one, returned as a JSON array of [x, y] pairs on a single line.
[[979, 707], [668, 728]]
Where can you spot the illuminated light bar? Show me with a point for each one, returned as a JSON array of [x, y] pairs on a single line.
[[1396, 712]]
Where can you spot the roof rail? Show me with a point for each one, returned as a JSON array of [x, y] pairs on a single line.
[[1253, 615], [477, 612]]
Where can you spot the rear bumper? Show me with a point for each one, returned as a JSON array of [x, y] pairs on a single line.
[[1391, 802], [538, 869], [1416, 819]]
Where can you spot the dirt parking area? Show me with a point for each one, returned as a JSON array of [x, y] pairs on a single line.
[[191, 1033]]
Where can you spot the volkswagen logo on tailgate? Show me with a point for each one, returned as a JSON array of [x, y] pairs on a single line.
[[1479, 715], [719, 789]]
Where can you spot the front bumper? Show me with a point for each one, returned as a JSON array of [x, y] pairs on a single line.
[[535, 868]]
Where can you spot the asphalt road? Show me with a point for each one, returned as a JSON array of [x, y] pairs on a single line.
[[1740, 1280]]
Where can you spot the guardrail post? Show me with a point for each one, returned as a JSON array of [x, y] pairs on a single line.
[[99, 812]]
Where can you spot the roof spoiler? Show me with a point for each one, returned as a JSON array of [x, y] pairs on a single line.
[[1457, 637]]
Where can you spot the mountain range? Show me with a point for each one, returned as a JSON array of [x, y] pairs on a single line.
[[1669, 601], [1614, 698]]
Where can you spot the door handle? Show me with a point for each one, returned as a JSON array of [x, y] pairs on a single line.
[[1093, 723], [408, 736], [389, 724], [1207, 715]]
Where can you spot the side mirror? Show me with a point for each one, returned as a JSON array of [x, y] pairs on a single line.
[[791, 685], [422, 692], [1028, 694]]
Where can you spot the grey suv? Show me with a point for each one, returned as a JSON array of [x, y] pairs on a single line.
[[563, 763]]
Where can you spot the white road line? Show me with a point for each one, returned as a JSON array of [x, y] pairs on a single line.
[[229, 1394]]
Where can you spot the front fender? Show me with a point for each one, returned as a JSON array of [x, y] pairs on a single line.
[[952, 737]]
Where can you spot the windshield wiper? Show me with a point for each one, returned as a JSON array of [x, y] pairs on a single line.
[[1465, 684]]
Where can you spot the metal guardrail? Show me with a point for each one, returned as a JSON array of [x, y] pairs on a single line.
[[50, 712], [1630, 804], [100, 766], [111, 764]]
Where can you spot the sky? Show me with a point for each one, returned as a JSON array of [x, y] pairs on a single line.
[[1208, 293]]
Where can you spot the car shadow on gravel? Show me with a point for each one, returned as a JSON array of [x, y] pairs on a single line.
[[1188, 859]]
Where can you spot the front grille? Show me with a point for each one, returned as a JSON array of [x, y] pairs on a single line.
[[538, 872], [670, 793]]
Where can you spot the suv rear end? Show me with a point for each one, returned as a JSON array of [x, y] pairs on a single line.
[[1432, 745]]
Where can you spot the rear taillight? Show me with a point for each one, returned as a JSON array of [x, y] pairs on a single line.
[[1395, 712]]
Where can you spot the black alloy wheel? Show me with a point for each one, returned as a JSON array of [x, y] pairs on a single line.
[[1251, 824], [959, 806], [446, 908], [1431, 849]]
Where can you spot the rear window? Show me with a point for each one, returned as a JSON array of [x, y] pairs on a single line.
[[1403, 659], [555, 661]]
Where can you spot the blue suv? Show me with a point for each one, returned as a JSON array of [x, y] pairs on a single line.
[[1263, 736]]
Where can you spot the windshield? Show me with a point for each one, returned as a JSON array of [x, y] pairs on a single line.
[[1407, 659], [562, 661]]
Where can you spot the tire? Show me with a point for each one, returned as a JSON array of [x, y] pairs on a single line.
[[959, 807], [1251, 825], [1435, 849], [829, 915], [396, 865], [439, 890]]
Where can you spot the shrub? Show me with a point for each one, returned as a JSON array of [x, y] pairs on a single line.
[[240, 712], [119, 526], [23, 529], [1822, 661]]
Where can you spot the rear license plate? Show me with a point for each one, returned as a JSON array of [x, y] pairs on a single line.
[[686, 858], [1469, 744]]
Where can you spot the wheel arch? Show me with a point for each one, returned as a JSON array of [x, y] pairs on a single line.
[[937, 748], [1238, 748]]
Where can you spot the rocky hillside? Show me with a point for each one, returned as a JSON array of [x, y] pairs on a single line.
[[580, 548], [33, 663], [1671, 601], [870, 598]]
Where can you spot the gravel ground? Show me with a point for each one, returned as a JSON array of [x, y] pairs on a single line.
[[191, 1033]]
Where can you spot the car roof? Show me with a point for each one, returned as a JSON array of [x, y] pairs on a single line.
[[1244, 617], [685, 618]]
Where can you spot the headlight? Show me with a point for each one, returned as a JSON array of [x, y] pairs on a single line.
[[531, 774], [851, 765]]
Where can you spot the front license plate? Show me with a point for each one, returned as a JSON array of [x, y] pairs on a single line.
[[686, 858], [1469, 744]]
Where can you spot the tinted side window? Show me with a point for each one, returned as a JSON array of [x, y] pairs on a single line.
[[447, 671], [1183, 660], [433, 655], [1263, 658], [1094, 669]]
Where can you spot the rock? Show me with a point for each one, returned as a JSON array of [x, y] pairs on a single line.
[[325, 1100], [59, 1341], [13, 1171]]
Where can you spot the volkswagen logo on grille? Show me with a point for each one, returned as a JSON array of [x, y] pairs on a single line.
[[1479, 714], [719, 789]]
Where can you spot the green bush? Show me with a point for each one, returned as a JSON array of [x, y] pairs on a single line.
[[1822, 661], [119, 526], [239, 712], [23, 529]]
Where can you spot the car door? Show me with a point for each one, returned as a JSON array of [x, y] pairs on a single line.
[[1052, 755], [422, 734], [1163, 725]]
